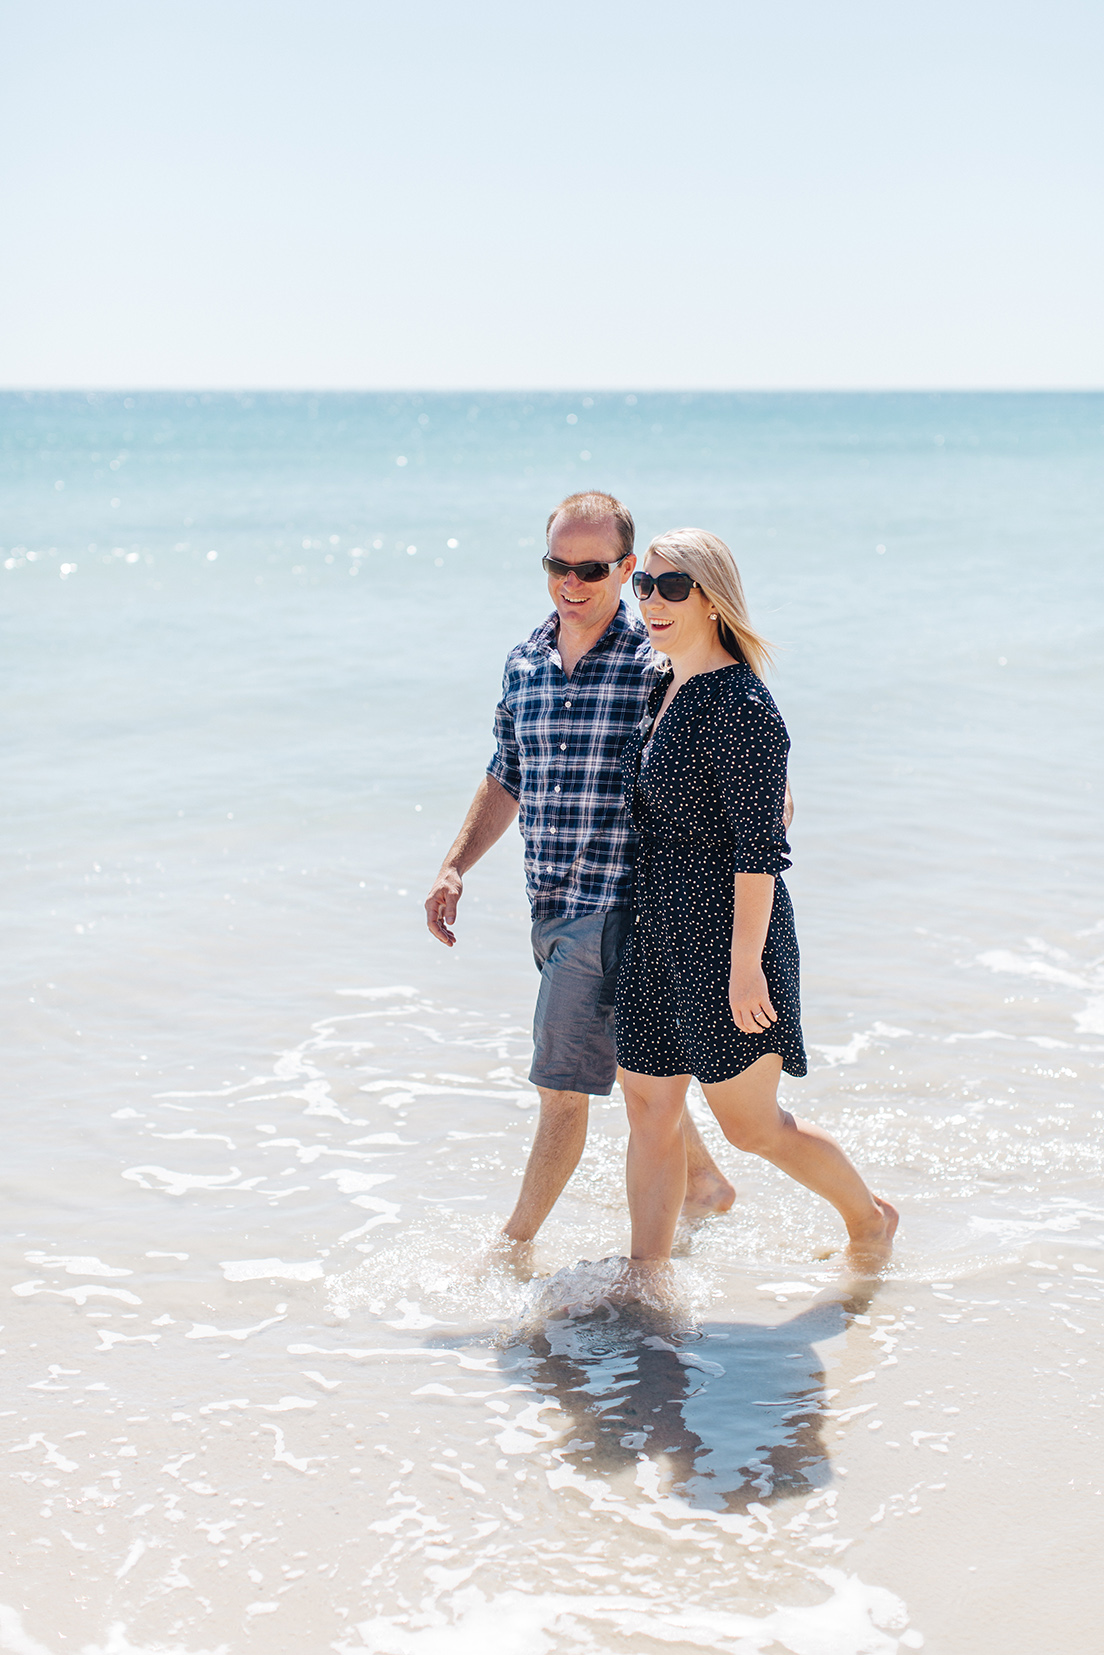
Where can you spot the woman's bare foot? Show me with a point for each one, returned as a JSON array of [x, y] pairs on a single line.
[[642, 1281], [707, 1192], [871, 1244]]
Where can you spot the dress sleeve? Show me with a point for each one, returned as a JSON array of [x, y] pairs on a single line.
[[505, 765], [749, 752]]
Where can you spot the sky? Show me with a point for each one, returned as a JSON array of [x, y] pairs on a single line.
[[737, 194]]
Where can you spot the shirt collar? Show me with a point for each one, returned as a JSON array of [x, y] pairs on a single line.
[[622, 623]]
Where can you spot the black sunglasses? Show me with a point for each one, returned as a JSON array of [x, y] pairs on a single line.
[[589, 572], [674, 586]]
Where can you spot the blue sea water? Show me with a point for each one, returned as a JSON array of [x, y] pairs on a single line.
[[252, 646]]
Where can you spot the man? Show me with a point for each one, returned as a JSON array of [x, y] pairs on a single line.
[[572, 693]]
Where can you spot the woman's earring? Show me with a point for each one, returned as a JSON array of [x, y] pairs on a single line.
[[712, 617]]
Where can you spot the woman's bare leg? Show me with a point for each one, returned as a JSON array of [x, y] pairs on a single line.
[[748, 1113], [656, 1162], [707, 1189]]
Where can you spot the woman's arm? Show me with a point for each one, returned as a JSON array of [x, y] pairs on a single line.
[[747, 986]]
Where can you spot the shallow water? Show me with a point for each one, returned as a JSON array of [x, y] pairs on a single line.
[[256, 1115]]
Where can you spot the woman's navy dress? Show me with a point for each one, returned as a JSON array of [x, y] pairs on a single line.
[[707, 796]]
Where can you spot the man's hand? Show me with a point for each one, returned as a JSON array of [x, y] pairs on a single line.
[[749, 999], [787, 809], [489, 815], [440, 904]]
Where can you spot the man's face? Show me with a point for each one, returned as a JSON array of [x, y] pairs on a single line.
[[587, 605]]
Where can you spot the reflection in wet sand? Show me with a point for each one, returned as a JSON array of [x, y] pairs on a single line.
[[729, 1416]]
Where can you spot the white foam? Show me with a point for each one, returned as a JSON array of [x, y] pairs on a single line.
[[13, 1637], [221, 1091], [850, 1053], [78, 1264], [1091, 1019], [79, 1295], [281, 1455], [267, 1269], [108, 1341], [204, 1330], [411, 1089], [1002, 959], [50, 1454], [413, 1317], [179, 1183], [413, 1352], [855, 1619], [349, 1180], [402, 990]]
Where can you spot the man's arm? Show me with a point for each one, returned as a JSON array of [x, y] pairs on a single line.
[[492, 810]]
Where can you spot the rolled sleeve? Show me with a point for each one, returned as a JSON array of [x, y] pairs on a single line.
[[750, 748], [505, 765]]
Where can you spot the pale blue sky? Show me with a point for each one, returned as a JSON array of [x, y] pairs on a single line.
[[596, 193]]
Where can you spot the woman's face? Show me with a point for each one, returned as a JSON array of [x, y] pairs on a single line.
[[676, 628]]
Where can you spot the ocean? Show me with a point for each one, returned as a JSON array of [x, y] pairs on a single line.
[[252, 646]]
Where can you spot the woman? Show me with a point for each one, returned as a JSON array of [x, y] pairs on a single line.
[[709, 982]]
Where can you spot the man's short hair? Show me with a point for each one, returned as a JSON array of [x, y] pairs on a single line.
[[595, 507]]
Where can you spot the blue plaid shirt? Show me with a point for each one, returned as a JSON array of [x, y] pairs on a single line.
[[559, 754]]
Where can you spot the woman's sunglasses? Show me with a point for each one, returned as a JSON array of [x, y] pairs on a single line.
[[590, 572], [675, 587]]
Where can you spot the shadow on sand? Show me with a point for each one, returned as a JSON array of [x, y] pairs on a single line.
[[730, 1416]]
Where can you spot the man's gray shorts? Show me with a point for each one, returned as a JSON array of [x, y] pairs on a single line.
[[573, 1044]]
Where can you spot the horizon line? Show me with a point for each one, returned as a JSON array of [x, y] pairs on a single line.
[[552, 390]]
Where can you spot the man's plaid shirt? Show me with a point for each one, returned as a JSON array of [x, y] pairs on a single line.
[[559, 754]]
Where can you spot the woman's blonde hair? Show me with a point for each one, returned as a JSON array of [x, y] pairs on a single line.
[[712, 565]]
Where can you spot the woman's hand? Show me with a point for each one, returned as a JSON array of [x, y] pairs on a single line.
[[753, 899], [749, 999]]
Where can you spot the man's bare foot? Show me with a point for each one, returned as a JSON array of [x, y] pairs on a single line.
[[682, 1242], [871, 1244], [515, 1257], [706, 1193]]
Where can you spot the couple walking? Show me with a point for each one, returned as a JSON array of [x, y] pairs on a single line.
[[653, 809]]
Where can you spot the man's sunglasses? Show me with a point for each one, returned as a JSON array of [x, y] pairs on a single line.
[[590, 572], [674, 586]]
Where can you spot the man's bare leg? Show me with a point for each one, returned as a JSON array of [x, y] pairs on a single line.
[[707, 1188], [557, 1146]]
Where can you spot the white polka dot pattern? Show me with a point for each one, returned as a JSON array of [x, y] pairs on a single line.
[[707, 801]]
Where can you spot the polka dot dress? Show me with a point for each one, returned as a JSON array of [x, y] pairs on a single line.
[[707, 795]]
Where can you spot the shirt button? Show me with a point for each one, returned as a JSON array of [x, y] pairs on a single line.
[[567, 703], [563, 746], [556, 789], [551, 830]]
